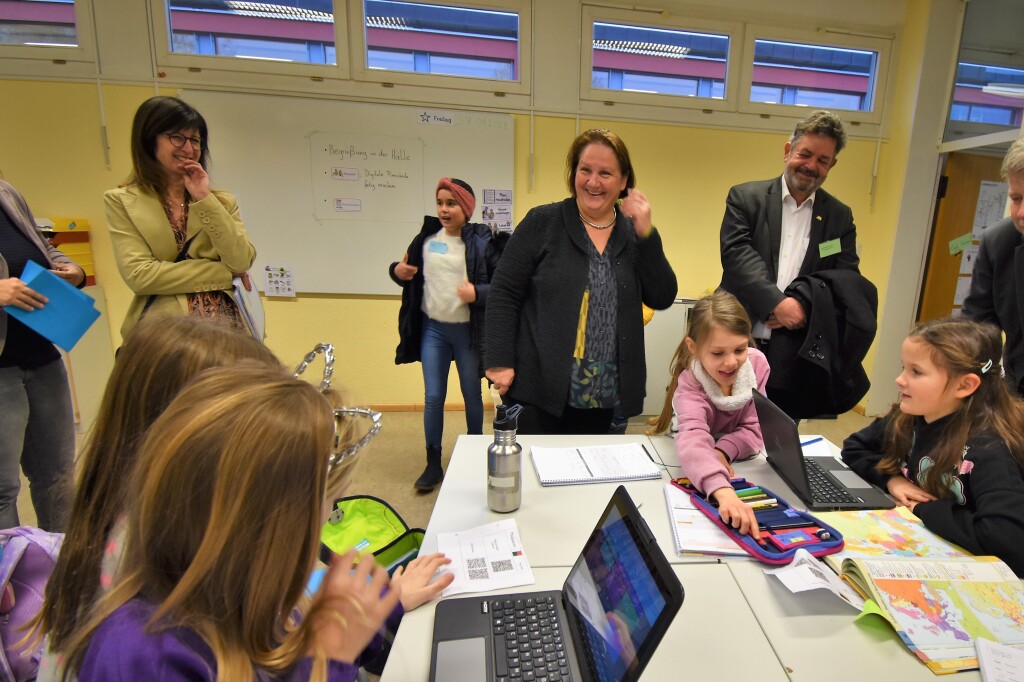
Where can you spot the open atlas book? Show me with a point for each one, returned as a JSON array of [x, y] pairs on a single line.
[[937, 597], [939, 607]]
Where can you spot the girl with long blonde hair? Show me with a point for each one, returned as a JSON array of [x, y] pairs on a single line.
[[161, 357], [225, 511], [713, 372]]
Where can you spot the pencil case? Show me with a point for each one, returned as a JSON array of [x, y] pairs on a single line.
[[784, 529]]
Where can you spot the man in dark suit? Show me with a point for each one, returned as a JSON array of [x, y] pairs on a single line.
[[777, 230], [998, 281]]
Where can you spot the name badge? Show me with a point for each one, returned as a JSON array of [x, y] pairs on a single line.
[[829, 248], [438, 247]]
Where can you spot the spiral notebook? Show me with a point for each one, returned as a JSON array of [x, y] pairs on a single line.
[[594, 464]]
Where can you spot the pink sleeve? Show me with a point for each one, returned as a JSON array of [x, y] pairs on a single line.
[[745, 440], [695, 445]]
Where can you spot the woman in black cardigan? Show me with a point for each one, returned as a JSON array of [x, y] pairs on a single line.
[[564, 330]]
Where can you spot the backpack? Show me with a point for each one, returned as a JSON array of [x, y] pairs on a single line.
[[27, 561], [371, 526]]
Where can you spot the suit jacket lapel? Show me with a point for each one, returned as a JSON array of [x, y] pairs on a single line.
[[774, 218], [150, 220]]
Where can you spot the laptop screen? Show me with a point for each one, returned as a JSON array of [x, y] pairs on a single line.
[[782, 444], [614, 599]]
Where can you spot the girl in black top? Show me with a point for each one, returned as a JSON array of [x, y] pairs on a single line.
[[953, 451]]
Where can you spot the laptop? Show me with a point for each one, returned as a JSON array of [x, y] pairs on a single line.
[[823, 483], [604, 624]]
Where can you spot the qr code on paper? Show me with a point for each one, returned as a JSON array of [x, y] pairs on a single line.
[[478, 574], [502, 565], [476, 563]]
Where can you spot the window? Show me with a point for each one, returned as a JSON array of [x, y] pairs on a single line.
[[637, 59], [988, 94], [286, 31], [818, 76], [788, 71], [658, 60], [46, 23], [441, 39], [47, 38]]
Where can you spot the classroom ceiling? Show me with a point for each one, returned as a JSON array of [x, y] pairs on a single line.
[[993, 30]]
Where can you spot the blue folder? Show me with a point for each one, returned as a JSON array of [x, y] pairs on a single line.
[[67, 316]]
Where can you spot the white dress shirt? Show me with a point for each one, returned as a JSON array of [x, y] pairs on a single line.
[[796, 233]]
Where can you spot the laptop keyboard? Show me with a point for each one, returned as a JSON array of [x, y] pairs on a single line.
[[823, 489], [528, 644]]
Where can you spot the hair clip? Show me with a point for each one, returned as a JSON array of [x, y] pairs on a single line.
[[987, 366]]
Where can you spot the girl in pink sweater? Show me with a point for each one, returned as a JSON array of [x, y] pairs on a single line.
[[713, 372]]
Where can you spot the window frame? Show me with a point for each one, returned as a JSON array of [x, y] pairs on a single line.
[[60, 57], [184, 64], [361, 72], [592, 14], [881, 45]]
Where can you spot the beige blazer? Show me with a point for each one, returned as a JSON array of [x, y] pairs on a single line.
[[145, 250]]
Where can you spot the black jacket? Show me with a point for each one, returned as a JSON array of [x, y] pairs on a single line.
[[996, 293], [483, 250], [535, 302], [817, 369]]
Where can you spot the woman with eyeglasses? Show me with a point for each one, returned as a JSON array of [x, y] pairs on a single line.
[[225, 510], [177, 243]]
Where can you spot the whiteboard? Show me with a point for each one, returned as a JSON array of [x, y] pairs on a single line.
[[337, 190]]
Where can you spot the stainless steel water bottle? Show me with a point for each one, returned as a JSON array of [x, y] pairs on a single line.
[[504, 462]]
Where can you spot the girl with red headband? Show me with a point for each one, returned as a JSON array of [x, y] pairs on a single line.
[[445, 275]]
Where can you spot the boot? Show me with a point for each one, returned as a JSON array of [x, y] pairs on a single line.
[[432, 475]]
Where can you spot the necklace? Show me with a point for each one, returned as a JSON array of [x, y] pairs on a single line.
[[179, 225], [595, 225]]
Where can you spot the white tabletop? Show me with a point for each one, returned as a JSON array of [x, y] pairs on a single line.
[[730, 607], [816, 637], [553, 521], [713, 621]]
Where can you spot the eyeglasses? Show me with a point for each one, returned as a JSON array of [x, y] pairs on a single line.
[[340, 452], [178, 140]]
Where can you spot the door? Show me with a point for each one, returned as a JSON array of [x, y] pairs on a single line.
[[954, 217]]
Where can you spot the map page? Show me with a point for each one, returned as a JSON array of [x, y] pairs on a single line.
[[939, 607]]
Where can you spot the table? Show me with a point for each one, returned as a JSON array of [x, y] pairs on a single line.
[[713, 621], [815, 636], [553, 521], [730, 605]]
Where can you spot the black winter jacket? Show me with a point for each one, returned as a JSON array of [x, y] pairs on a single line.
[[818, 367]]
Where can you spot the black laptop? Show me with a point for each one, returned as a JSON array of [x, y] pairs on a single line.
[[604, 624], [823, 483]]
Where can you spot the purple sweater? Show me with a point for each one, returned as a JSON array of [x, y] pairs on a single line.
[[122, 651], [705, 426]]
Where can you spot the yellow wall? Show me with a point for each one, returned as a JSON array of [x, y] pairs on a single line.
[[53, 154]]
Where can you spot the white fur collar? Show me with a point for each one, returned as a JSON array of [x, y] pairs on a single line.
[[745, 382]]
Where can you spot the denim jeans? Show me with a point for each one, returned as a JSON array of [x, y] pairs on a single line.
[[37, 434], [441, 343]]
